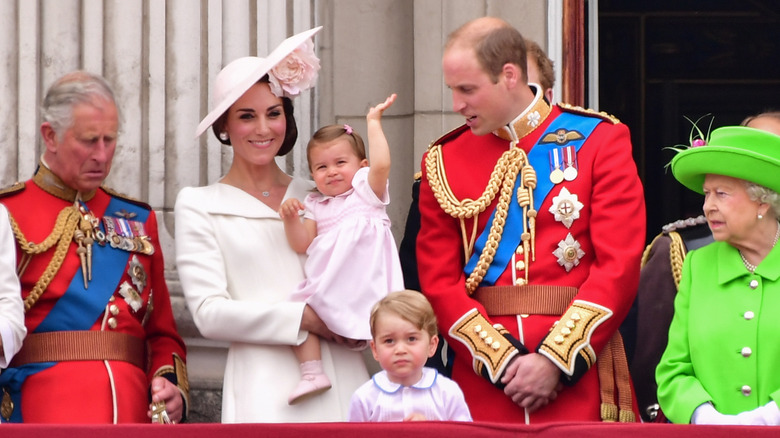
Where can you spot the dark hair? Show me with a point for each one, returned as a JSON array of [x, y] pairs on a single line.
[[543, 62], [331, 132], [290, 132]]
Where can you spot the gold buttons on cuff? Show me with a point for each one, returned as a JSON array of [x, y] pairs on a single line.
[[558, 339]]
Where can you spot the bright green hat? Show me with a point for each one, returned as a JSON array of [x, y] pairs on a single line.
[[736, 151]]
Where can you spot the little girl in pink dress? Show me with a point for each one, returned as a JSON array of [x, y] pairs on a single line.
[[352, 256]]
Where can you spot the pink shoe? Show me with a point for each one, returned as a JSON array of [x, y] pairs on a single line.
[[309, 386]]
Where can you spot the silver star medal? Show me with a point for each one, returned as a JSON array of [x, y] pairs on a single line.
[[566, 207], [569, 253], [131, 296]]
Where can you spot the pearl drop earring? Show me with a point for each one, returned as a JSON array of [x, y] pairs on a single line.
[[223, 136]]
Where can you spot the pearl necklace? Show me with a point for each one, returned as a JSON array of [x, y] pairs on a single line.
[[751, 267]]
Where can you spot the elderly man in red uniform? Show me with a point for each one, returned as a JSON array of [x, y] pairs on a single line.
[[532, 228], [102, 344]]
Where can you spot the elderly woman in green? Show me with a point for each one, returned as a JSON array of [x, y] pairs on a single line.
[[721, 363]]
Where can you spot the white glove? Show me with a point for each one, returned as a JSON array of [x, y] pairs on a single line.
[[707, 414], [767, 415]]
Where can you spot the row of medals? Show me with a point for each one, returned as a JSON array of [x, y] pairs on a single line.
[[119, 234]]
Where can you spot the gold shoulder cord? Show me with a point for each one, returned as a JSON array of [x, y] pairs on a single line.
[[501, 179], [64, 227], [676, 257], [677, 254]]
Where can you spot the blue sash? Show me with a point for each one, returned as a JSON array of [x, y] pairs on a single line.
[[538, 158], [78, 308]]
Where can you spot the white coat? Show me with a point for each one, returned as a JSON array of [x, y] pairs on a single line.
[[237, 271], [12, 329]]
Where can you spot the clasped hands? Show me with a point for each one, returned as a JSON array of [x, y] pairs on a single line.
[[532, 381]]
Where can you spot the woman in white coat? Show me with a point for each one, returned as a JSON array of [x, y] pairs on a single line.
[[12, 328], [235, 265]]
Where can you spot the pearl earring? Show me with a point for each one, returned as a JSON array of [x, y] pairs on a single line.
[[223, 136], [760, 216]]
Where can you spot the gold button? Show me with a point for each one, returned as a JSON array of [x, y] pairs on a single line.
[[112, 322], [570, 324], [483, 334], [112, 299], [489, 340], [520, 282], [114, 309], [477, 328], [519, 249], [558, 339], [565, 331], [495, 346], [520, 265], [575, 316]]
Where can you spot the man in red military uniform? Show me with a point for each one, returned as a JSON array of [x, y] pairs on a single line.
[[101, 333], [532, 228]]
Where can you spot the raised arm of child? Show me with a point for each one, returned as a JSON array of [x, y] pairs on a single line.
[[378, 149], [299, 232]]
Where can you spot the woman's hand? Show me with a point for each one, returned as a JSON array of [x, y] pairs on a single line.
[[311, 322]]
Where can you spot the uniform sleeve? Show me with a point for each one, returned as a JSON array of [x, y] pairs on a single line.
[[679, 391], [166, 348], [217, 315], [12, 328], [617, 233]]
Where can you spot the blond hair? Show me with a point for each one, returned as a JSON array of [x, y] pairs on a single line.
[[409, 305]]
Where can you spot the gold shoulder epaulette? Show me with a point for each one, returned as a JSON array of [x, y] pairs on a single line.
[[589, 112], [10, 190], [449, 136], [127, 198]]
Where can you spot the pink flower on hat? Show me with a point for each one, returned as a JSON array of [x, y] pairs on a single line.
[[297, 72]]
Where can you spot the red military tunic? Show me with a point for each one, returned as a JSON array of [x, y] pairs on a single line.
[[135, 302], [599, 255]]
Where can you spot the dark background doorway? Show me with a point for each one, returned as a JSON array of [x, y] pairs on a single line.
[[663, 60]]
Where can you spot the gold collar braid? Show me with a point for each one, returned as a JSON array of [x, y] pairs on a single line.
[[502, 179]]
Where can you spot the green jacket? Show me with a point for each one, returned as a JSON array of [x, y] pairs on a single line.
[[724, 340]]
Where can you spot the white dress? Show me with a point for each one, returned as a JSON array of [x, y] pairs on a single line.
[[237, 271], [353, 262], [12, 329]]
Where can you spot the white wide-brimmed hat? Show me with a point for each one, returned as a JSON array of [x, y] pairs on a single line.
[[239, 75]]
